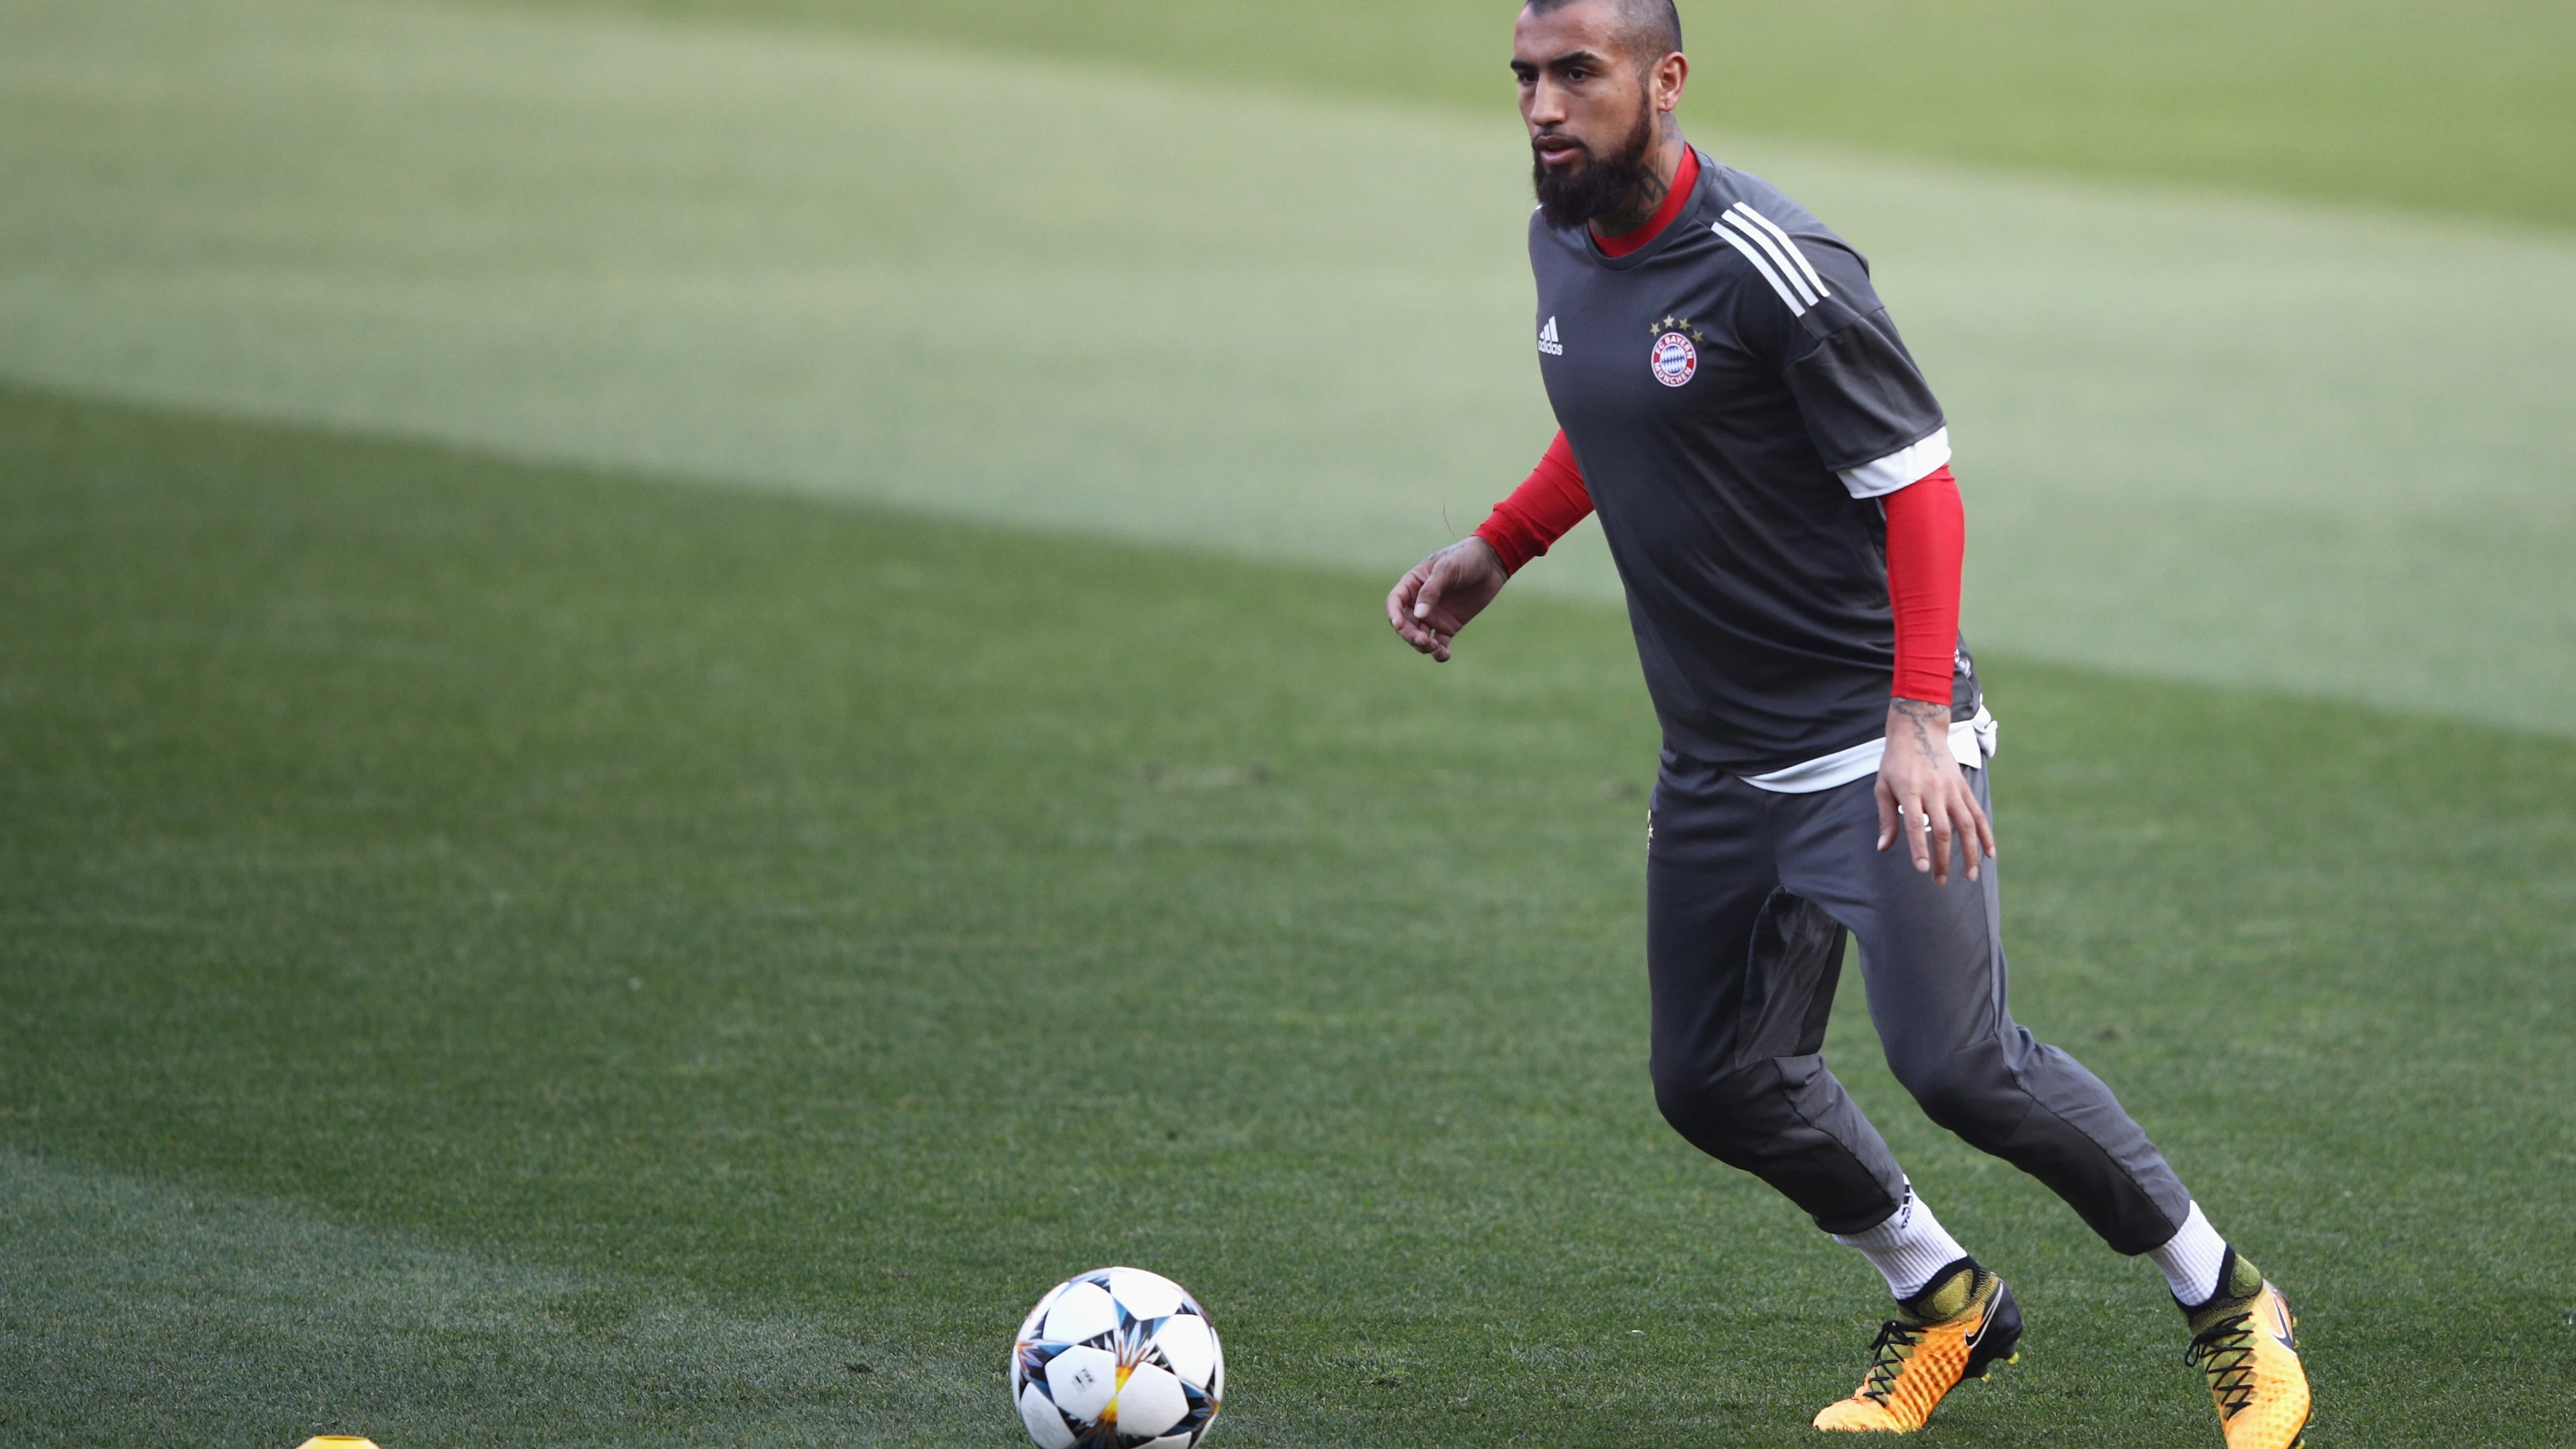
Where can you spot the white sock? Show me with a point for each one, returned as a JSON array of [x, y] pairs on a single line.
[[1908, 1248], [2190, 1260]]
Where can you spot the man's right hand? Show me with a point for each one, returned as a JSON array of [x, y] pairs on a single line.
[[1436, 598]]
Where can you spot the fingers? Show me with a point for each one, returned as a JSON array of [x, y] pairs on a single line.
[[1911, 820], [1938, 838], [1399, 600], [1976, 837], [1418, 606], [1924, 799], [1434, 584], [1901, 813], [1957, 823], [1404, 611], [1425, 641]]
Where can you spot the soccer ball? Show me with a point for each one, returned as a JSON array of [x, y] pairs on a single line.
[[1117, 1358]]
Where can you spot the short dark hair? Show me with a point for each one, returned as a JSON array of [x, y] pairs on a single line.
[[1648, 30]]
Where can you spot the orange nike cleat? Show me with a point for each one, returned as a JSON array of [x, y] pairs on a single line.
[[1958, 1327], [2245, 1343]]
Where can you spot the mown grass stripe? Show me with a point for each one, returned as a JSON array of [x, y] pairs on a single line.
[[166, 1312], [863, 921], [2461, 109], [2209, 439]]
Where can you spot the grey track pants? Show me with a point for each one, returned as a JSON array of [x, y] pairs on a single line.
[[1749, 894]]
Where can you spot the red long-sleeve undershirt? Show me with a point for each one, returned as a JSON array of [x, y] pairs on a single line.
[[1927, 542], [1547, 505]]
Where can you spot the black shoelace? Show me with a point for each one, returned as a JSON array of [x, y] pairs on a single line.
[[1887, 1355], [2225, 1353]]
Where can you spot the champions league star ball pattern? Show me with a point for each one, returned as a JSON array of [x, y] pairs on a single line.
[[1118, 1358]]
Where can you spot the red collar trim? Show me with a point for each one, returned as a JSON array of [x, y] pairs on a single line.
[[1685, 177]]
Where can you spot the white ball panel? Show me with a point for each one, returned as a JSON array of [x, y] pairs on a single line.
[[1084, 1311], [1170, 1441], [1190, 1345], [1044, 1424], [1152, 1401], [1215, 1384], [1037, 1315], [1083, 1380], [1147, 1295]]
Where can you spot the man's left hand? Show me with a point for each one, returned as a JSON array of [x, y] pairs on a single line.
[[1923, 794]]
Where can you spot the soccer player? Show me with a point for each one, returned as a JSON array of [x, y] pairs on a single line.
[[1772, 474]]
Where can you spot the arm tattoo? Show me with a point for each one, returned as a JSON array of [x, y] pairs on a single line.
[[1930, 724]]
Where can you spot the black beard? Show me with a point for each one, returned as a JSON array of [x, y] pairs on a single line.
[[1572, 196]]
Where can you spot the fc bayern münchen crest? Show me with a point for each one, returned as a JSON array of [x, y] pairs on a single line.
[[1674, 359]]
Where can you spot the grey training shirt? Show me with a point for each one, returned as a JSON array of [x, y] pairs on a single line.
[[1739, 400]]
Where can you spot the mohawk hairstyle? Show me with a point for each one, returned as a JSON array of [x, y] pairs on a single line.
[[1648, 30]]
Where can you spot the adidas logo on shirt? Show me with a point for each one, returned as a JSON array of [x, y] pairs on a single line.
[[1547, 342]]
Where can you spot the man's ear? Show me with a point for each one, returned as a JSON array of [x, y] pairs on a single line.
[[1671, 74]]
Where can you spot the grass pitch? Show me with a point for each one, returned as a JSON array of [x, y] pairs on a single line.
[[489, 947], [2203, 437], [2464, 107]]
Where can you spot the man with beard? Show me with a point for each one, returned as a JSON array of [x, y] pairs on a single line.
[[1772, 474]]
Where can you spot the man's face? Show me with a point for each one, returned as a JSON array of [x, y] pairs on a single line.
[[1590, 113]]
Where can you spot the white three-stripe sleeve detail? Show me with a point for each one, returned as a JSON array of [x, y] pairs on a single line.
[[1753, 254], [1778, 258], [1772, 227]]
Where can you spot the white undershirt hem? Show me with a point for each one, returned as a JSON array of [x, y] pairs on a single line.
[[1972, 743], [1901, 469]]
